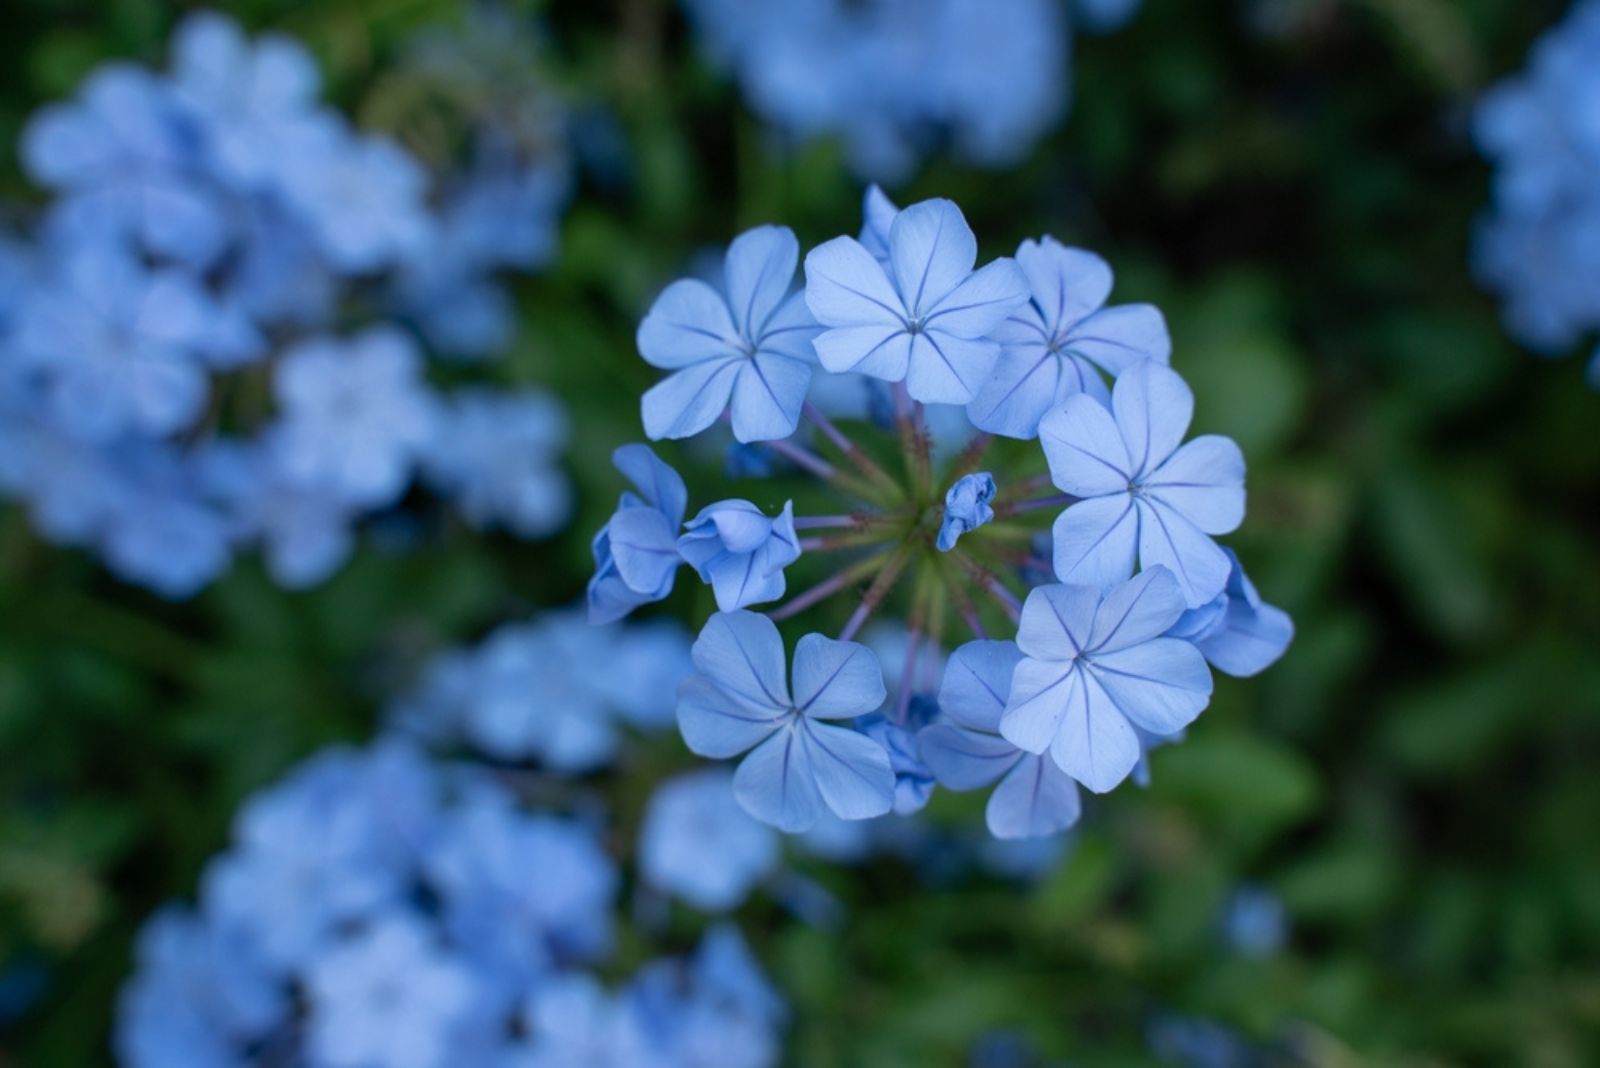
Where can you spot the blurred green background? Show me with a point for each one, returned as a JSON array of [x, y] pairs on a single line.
[[1416, 778]]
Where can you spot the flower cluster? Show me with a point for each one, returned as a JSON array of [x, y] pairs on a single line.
[[1112, 620], [378, 910], [1539, 245], [177, 380], [890, 77]]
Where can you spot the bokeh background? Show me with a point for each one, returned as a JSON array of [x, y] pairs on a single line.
[[1295, 184]]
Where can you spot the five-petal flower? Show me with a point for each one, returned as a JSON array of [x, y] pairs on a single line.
[[966, 751], [1139, 492], [748, 346], [923, 318], [798, 765], [1095, 667], [636, 552], [1061, 341], [741, 551]]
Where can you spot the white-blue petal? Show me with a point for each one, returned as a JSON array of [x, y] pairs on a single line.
[[742, 652], [1203, 481], [1144, 607], [718, 725], [852, 771], [1066, 283], [845, 286], [1085, 449], [945, 369], [977, 680], [879, 350], [1121, 337], [644, 547], [931, 250], [1056, 621], [1095, 541], [687, 401], [1041, 691], [1035, 799], [659, 485], [1095, 744], [963, 759], [757, 274], [687, 324], [1250, 640], [981, 302], [1153, 406], [776, 784], [836, 680], [767, 396], [1160, 685], [1169, 540]]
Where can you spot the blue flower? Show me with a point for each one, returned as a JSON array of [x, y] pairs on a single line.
[[966, 751], [497, 454], [923, 319], [125, 159], [115, 347], [799, 765], [913, 781], [636, 552], [1061, 341], [1254, 923], [389, 996], [748, 346], [1094, 667], [1238, 633], [966, 508], [1140, 493], [363, 198], [256, 101], [697, 843], [740, 551], [357, 415]]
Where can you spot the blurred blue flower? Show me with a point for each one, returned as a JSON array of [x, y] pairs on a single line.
[[1095, 666], [127, 164], [1194, 1042], [356, 415], [798, 765], [363, 198], [636, 553], [741, 552], [1061, 341], [497, 454], [1140, 493], [698, 844], [389, 996], [1238, 632], [966, 751], [966, 507], [747, 347], [925, 318], [1254, 922], [913, 781]]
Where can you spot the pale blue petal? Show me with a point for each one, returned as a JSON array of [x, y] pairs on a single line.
[[1153, 406], [965, 760], [644, 547], [767, 396], [1040, 693], [877, 216], [981, 302], [742, 580], [739, 525], [1250, 640], [1035, 799], [688, 323], [1085, 450], [1018, 393], [1096, 540], [881, 351], [1204, 481], [845, 286], [758, 272], [776, 784], [1066, 283], [977, 679], [931, 250], [687, 401], [1169, 540], [742, 652], [1144, 607], [836, 680], [718, 725], [1121, 337], [945, 369], [1160, 685], [660, 486], [789, 331], [852, 771], [1057, 621], [1095, 745]]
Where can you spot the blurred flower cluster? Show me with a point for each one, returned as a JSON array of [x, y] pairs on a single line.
[[215, 336], [1119, 611], [892, 78], [1539, 244]]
